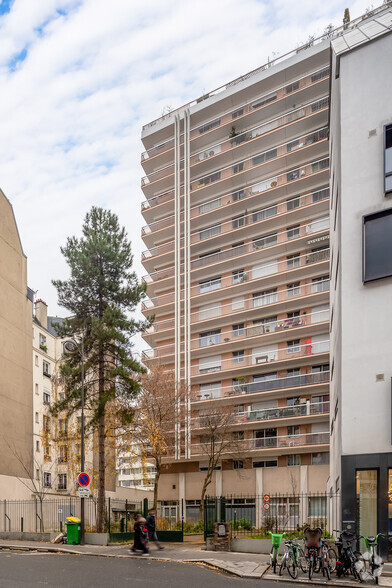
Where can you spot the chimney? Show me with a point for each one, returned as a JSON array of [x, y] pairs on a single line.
[[41, 312]]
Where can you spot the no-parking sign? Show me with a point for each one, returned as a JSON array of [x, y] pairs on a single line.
[[83, 479]]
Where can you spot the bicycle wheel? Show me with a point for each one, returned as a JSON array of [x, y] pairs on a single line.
[[283, 565], [326, 567], [311, 566], [303, 561], [292, 567], [274, 561], [360, 564], [332, 559]]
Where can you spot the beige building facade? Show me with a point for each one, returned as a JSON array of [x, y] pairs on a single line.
[[16, 399], [237, 255]]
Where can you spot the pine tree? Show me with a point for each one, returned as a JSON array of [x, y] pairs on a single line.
[[346, 17], [100, 295]]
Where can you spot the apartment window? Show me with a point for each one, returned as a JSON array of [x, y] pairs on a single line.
[[238, 222], [237, 113], [62, 482], [293, 203], [208, 206], [208, 233], [265, 438], [238, 464], [293, 261], [46, 369], [264, 298], [320, 104], [37, 417], [42, 342], [210, 179], [46, 398], [239, 330], [317, 506], [320, 458], [63, 454], [265, 100], [36, 360], [293, 346], [295, 400], [238, 167], [316, 369], [61, 397], [293, 289], [263, 157], [209, 338], [63, 427], [239, 195], [211, 390], [292, 87], [239, 276], [388, 158], [320, 195], [293, 430], [320, 165], [37, 474], [377, 244], [266, 241], [239, 385], [294, 174], [264, 213], [209, 285], [209, 364], [293, 232], [47, 480], [293, 460], [36, 389], [271, 463], [320, 284], [238, 435], [238, 356], [319, 75], [209, 126]]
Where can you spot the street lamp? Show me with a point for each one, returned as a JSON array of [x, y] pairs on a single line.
[[71, 347]]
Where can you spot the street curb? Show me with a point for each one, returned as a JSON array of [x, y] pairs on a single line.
[[214, 564], [315, 582]]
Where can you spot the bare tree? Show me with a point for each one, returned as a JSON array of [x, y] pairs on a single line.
[[217, 439]]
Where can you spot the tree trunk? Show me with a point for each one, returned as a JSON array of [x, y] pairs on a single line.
[[157, 476], [101, 452], [206, 483]]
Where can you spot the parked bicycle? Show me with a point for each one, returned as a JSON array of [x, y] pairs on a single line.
[[291, 558], [274, 555], [372, 557], [313, 546], [349, 560]]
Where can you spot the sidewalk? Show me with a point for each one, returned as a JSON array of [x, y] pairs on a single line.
[[243, 565]]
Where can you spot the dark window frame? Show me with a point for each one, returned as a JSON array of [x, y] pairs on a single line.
[[387, 128], [368, 218]]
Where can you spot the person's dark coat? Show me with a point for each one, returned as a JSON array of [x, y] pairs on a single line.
[[150, 523], [140, 541]]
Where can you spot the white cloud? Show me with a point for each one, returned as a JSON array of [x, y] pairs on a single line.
[[72, 110]]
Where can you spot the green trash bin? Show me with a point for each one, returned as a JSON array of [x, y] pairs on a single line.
[[73, 532]]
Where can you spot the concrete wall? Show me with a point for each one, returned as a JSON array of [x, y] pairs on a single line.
[[16, 398]]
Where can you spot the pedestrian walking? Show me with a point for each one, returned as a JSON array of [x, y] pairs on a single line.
[[152, 533], [140, 541]]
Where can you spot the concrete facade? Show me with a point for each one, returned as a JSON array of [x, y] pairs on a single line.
[[16, 399]]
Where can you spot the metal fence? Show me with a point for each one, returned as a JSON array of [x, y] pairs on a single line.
[[34, 516], [257, 515]]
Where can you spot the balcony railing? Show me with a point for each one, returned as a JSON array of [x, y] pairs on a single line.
[[250, 416], [270, 384], [257, 104], [255, 217], [262, 243], [256, 161], [235, 280], [243, 333], [243, 137]]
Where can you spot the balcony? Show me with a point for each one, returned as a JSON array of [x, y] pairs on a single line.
[[240, 112], [240, 336], [241, 138], [264, 161], [269, 414], [274, 239], [266, 386], [255, 218]]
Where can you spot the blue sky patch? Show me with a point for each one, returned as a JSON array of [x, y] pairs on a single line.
[[5, 6]]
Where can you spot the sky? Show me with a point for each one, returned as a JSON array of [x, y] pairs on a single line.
[[79, 78]]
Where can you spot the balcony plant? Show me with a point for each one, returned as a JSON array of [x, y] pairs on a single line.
[[43, 347]]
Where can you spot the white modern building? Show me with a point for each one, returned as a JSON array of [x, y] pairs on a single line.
[[361, 274]]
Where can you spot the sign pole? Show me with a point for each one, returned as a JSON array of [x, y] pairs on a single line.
[[82, 536]]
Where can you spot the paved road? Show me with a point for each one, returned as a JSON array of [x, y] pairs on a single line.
[[22, 569]]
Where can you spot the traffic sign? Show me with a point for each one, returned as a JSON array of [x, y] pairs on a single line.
[[266, 505], [83, 492], [83, 479], [266, 497]]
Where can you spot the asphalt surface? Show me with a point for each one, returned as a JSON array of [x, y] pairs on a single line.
[[21, 569]]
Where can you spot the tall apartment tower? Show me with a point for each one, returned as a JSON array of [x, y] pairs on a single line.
[[237, 260]]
